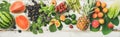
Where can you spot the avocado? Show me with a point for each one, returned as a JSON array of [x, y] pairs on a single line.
[[74, 22], [73, 16], [67, 21]]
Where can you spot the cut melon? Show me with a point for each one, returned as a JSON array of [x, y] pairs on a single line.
[[22, 22], [17, 7], [55, 22]]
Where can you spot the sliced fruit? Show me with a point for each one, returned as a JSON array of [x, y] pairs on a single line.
[[22, 22], [101, 21], [52, 21], [62, 17], [94, 15], [57, 23], [100, 14], [53, 2], [95, 23], [110, 25], [105, 10], [17, 7]]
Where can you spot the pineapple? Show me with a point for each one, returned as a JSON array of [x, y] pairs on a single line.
[[83, 21]]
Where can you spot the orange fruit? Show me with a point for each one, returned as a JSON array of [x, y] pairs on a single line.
[[105, 10], [97, 10], [94, 15], [101, 21], [98, 3], [100, 14], [103, 4]]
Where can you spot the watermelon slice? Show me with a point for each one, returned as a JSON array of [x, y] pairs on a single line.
[[22, 22], [17, 7]]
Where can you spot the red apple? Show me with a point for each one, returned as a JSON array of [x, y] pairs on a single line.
[[110, 25], [95, 23]]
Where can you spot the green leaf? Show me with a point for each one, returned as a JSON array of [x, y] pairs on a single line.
[[40, 30], [116, 13], [39, 19], [34, 31], [105, 29], [94, 29], [4, 6], [52, 28], [33, 28], [51, 8], [115, 21], [111, 12], [61, 26]]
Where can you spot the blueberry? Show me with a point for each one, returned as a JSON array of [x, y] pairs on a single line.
[[19, 31], [14, 27]]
